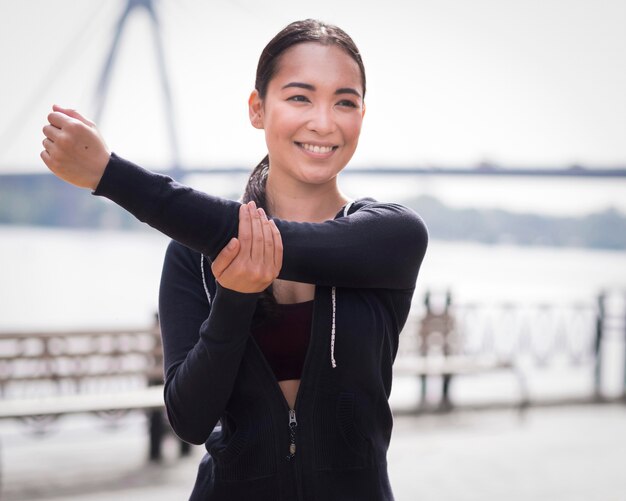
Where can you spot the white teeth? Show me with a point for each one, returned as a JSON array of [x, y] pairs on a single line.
[[317, 149]]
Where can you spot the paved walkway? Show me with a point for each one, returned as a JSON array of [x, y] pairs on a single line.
[[552, 454]]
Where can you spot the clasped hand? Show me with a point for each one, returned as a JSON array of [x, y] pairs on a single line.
[[251, 262]]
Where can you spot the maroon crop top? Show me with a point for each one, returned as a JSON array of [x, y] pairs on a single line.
[[284, 339]]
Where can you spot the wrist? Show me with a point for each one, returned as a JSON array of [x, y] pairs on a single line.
[[99, 173], [100, 166], [230, 318], [240, 288], [230, 294]]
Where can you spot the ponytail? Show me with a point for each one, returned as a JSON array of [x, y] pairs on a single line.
[[255, 191]]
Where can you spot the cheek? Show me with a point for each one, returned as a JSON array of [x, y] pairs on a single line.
[[353, 127], [281, 123]]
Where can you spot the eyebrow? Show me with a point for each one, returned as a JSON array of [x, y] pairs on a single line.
[[342, 90]]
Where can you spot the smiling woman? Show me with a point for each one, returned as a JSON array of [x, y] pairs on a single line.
[[289, 337]]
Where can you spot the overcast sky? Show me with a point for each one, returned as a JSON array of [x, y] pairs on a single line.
[[450, 82]]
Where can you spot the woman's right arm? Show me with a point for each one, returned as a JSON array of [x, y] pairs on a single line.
[[202, 344]]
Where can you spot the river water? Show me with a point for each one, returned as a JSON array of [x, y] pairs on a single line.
[[56, 279], [53, 279]]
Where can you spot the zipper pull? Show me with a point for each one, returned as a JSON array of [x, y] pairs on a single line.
[[292, 434]]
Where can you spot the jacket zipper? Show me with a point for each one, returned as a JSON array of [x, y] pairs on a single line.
[[292, 434], [291, 457], [292, 412], [293, 423]]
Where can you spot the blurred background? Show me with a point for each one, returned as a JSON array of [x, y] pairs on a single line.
[[502, 123]]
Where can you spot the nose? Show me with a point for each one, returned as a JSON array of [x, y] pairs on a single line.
[[322, 120]]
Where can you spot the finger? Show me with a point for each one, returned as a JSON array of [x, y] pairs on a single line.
[[47, 144], [72, 113], [59, 120], [245, 231], [268, 239], [278, 247], [257, 235], [225, 258], [51, 132], [45, 156]]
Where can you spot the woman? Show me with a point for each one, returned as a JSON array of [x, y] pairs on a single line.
[[289, 338]]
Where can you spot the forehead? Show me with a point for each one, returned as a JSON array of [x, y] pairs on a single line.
[[320, 65]]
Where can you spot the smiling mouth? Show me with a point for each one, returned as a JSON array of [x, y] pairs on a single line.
[[320, 150]]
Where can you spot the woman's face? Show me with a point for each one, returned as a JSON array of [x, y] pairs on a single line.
[[312, 113]]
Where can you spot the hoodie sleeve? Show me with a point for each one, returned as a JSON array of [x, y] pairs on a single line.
[[203, 344], [379, 245]]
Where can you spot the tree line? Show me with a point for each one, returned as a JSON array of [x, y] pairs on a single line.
[[43, 200]]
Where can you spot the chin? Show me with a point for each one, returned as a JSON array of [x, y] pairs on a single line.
[[319, 180]]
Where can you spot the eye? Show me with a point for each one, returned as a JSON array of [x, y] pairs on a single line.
[[299, 99], [348, 103]]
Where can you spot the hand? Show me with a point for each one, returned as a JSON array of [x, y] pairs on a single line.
[[251, 262], [74, 149]]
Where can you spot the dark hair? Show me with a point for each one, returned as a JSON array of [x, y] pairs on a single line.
[[309, 30]]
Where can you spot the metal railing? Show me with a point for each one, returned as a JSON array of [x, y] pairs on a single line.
[[533, 336]]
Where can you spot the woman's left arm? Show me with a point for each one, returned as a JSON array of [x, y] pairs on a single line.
[[381, 245]]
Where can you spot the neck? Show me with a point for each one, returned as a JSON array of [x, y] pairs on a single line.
[[300, 202]]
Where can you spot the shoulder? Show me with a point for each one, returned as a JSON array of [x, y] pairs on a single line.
[[178, 253], [397, 218], [188, 265], [391, 210]]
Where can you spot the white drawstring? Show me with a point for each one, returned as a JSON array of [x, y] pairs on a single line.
[[332, 330], [206, 289], [333, 291]]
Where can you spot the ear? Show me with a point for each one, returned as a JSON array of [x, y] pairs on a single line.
[[363, 112], [255, 110]]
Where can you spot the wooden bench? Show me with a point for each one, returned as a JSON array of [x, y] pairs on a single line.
[[438, 352], [44, 375]]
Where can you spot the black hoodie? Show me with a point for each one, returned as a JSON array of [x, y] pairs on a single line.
[[364, 265]]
